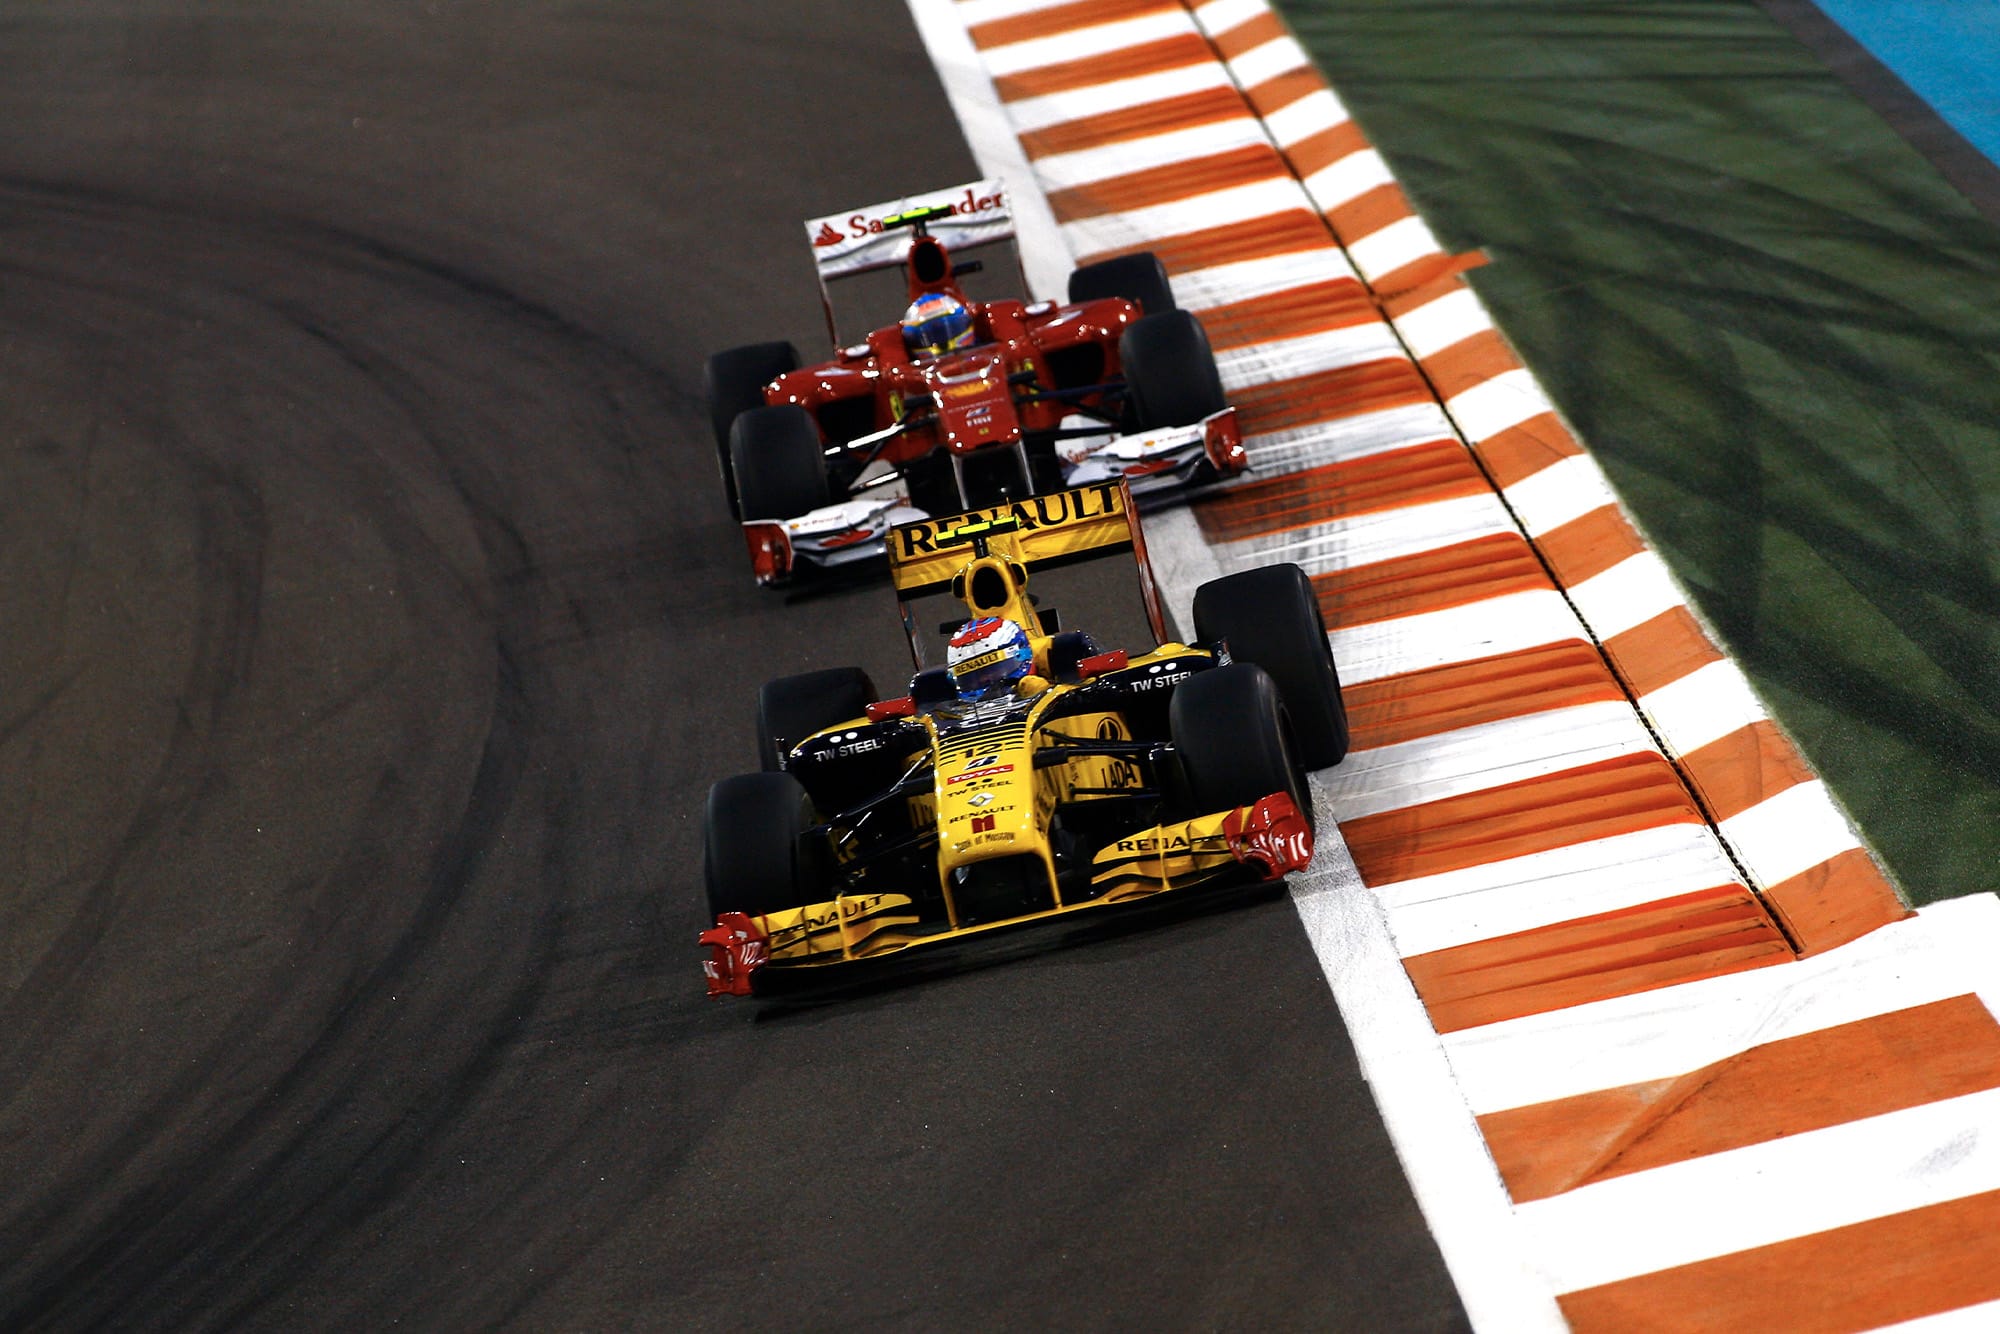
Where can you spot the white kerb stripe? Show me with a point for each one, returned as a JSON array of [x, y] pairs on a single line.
[[1561, 493], [1445, 322], [1791, 832], [1218, 208], [1705, 705], [1352, 437], [1383, 251], [1050, 109], [1505, 624], [1245, 279], [1629, 594], [1062, 171], [1941, 952], [1348, 178], [1082, 43], [1483, 757], [1487, 409], [1479, 903], [1220, 16], [1765, 1193], [1262, 63], [1315, 113], [1369, 538], [1289, 358]]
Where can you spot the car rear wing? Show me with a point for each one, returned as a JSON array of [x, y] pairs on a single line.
[[1085, 523], [878, 236]]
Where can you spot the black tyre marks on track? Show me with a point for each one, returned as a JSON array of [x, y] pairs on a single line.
[[372, 632]]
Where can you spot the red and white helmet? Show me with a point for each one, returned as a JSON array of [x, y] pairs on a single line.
[[987, 656]]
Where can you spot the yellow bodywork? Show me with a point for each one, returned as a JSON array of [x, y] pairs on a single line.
[[989, 797]]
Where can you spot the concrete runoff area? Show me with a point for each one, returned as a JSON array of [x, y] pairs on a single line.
[[1773, 322]]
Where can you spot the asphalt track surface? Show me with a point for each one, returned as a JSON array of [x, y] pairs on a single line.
[[372, 633]]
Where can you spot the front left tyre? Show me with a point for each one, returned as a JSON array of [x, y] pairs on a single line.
[[779, 463], [755, 859], [733, 383], [792, 708]]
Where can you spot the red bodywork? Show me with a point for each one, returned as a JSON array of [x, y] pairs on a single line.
[[968, 400]]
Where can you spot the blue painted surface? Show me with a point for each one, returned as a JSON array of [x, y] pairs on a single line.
[[1947, 51]]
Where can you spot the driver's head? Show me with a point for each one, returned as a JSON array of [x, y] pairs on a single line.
[[937, 323], [987, 656]]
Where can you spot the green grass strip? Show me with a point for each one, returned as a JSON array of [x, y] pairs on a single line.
[[1778, 329]]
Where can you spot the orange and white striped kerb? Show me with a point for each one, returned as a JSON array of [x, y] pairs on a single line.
[[1722, 1077]]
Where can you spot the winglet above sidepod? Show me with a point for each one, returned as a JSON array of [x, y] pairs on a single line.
[[736, 946]]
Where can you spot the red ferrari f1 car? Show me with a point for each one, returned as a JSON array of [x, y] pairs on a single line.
[[964, 403]]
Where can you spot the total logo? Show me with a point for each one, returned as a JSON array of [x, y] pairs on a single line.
[[969, 204]]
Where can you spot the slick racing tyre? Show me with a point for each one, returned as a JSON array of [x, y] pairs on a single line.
[[1170, 371], [733, 384], [1270, 616], [753, 857], [792, 708], [1137, 277], [779, 463], [1235, 741]]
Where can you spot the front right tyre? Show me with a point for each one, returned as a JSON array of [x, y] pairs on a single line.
[[1234, 739]]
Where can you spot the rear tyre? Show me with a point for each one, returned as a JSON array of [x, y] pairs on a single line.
[[1170, 371], [792, 708], [733, 384], [753, 858], [779, 463], [1270, 616], [1235, 741], [1137, 277]]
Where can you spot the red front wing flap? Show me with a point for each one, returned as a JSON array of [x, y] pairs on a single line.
[[1271, 835], [737, 947]]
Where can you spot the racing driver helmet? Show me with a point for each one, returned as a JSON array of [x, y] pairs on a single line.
[[937, 323], [987, 656]]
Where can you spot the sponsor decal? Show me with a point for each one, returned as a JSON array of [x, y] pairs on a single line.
[[979, 799], [1175, 842], [970, 204], [983, 824], [980, 773], [1160, 682], [984, 660], [865, 238], [1096, 501]]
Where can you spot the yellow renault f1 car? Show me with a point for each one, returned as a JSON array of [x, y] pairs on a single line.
[[1031, 777]]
